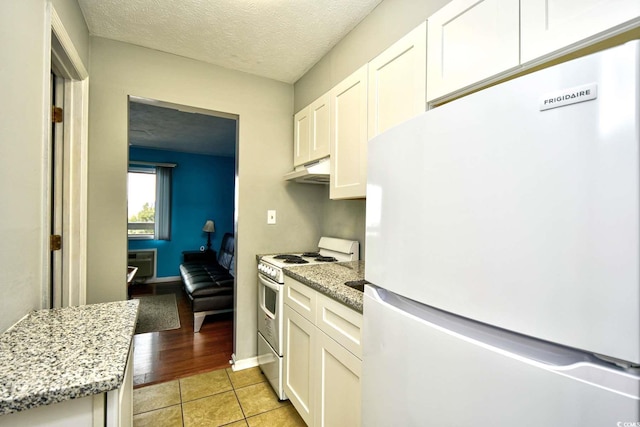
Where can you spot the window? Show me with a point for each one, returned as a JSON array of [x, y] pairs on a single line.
[[149, 203], [141, 206]]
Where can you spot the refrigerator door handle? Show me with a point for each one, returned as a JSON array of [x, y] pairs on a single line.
[[561, 360]]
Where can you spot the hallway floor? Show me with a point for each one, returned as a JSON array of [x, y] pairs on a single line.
[[216, 398], [170, 355]]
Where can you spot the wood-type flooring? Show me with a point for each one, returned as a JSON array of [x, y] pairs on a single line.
[[178, 353]]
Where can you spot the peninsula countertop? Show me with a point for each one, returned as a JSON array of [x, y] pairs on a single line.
[[55, 355], [329, 278]]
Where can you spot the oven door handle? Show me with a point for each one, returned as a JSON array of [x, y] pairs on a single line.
[[269, 283]]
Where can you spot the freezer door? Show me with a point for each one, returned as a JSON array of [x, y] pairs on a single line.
[[422, 367], [497, 209]]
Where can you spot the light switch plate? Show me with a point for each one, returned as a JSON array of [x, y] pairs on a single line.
[[271, 217]]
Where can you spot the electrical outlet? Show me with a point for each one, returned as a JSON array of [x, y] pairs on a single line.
[[271, 217]]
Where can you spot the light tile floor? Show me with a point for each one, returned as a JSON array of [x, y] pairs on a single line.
[[216, 398]]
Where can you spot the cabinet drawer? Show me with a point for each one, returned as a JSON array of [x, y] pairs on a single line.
[[341, 323], [301, 298]]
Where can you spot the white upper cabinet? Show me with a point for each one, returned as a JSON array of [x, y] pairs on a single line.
[[469, 41], [311, 132], [301, 137], [319, 133], [550, 25], [349, 137], [397, 82], [472, 43]]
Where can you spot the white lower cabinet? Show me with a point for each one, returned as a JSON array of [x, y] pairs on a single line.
[[338, 385], [299, 344], [322, 365]]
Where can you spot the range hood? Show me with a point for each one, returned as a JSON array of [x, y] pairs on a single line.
[[312, 173]]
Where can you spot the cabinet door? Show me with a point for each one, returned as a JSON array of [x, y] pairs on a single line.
[[319, 133], [338, 385], [301, 137], [397, 82], [349, 137], [549, 25], [469, 41], [120, 401], [299, 344]]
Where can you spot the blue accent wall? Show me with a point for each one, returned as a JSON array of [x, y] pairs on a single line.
[[202, 188]]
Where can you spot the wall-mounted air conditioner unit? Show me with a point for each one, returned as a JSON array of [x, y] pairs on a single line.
[[145, 260]]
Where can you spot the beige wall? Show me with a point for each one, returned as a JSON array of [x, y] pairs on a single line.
[[265, 109], [24, 112]]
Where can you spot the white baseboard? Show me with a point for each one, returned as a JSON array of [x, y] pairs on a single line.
[[239, 365], [164, 279]]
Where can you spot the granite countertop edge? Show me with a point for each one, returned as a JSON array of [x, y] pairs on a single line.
[[55, 355], [329, 279]]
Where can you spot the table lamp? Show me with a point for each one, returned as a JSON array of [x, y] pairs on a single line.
[[209, 227]]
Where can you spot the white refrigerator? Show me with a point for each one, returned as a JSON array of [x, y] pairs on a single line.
[[503, 242]]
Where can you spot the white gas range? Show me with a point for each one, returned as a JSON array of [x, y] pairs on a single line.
[[271, 299]]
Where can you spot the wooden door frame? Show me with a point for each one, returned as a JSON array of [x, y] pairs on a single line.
[[76, 107]]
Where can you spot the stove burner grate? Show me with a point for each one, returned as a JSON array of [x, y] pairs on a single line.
[[326, 259], [296, 260], [311, 254], [286, 256]]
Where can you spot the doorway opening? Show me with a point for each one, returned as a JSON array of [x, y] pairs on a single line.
[[198, 149]]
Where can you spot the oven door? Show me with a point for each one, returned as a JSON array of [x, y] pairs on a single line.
[[270, 306]]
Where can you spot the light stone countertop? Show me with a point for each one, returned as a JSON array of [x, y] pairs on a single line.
[[329, 279], [67, 353]]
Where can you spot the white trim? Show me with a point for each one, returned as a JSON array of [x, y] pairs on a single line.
[[239, 365], [62, 51], [46, 167], [72, 63], [75, 203], [59, 187], [81, 128]]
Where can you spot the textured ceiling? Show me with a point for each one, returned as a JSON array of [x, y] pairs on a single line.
[[278, 39], [152, 126]]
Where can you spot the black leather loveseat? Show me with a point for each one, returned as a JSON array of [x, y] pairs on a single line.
[[210, 284]]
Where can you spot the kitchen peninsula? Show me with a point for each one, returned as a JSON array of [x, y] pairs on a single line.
[[69, 366]]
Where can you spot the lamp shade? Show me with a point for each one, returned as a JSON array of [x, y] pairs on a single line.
[[209, 226]]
